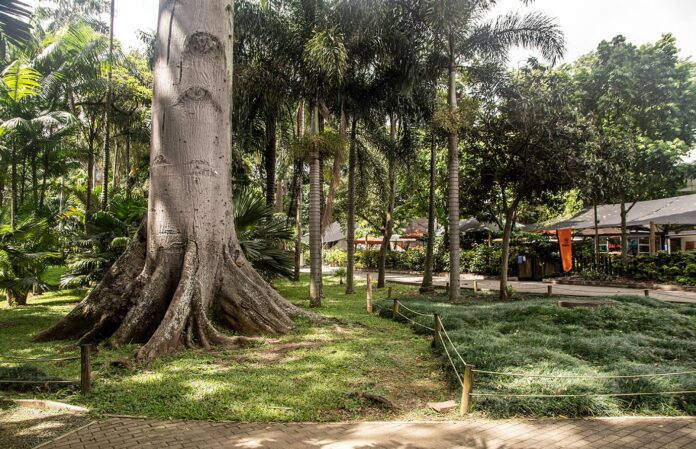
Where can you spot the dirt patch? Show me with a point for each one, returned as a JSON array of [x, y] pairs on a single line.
[[24, 428]]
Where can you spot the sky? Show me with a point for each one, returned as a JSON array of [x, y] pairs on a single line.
[[584, 22]]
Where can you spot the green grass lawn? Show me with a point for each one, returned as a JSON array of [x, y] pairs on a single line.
[[536, 336], [316, 373]]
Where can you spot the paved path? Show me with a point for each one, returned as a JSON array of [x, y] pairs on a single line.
[[610, 433], [539, 287]]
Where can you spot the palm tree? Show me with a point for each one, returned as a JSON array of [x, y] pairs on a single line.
[[13, 25], [466, 34], [109, 112]]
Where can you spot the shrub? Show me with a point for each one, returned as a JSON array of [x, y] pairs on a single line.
[[336, 257]]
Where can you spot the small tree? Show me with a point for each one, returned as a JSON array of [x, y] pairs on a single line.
[[526, 145]]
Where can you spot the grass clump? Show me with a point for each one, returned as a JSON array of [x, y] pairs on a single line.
[[537, 336]]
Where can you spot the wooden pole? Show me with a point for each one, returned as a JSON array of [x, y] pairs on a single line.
[[549, 290], [475, 286], [369, 293], [437, 338], [86, 369], [395, 308], [389, 293], [647, 292], [465, 405]]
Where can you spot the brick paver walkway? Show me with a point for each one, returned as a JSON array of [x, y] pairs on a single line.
[[122, 433]]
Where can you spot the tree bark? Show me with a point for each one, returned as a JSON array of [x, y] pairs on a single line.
[[327, 215], [507, 233], [315, 231], [624, 233], [596, 237], [44, 177], [185, 262], [299, 179], [427, 284], [453, 185], [350, 225], [385, 247], [13, 207], [90, 169], [107, 122], [269, 159]]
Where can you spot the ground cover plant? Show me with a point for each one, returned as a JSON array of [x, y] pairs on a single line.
[[536, 336], [337, 371]]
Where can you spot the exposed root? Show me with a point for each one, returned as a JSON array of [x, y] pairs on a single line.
[[165, 307]]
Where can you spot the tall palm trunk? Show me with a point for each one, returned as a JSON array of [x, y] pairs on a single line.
[[13, 207], [315, 196], [453, 185], [107, 123], [596, 237], [34, 182], [327, 215], [507, 235], [389, 213], [269, 159], [44, 177], [624, 233], [350, 226], [427, 284], [299, 181]]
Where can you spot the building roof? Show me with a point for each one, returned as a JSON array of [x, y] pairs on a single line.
[[332, 233], [678, 210]]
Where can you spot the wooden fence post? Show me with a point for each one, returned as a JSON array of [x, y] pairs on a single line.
[[86, 369], [549, 290], [475, 286], [369, 293], [395, 308], [437, 326], [389, 293], [647, 292], [465, 405]]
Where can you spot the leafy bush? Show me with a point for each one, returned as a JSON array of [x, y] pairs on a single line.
[[677, 267], [336, 257]]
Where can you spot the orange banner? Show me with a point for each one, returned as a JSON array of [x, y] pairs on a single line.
[[565, 240]]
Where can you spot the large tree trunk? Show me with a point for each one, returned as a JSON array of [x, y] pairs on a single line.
[[427, 284], [350, 225], [186, 262], [269, 159], [107, 122], [315, 188], [453, 187]]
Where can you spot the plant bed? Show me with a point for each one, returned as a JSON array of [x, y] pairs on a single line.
[[636, 336], [622, 283]]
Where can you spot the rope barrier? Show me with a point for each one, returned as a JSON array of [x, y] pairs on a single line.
[[599, 376], [19, 359], [62, 382], [415, 322], [442, 326], [456, 373], [581, 395], [414, 311]]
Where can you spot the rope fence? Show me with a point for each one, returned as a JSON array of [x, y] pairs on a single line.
[[466, 379], [85, 370]]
